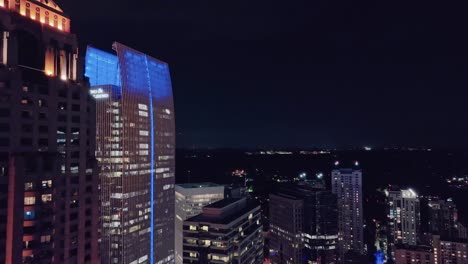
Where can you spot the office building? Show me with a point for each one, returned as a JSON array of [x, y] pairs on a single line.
[[443, 219], [409, 254], [303, 226], [135, 148], [403, 216], [190, 198], [450, 251], [48, 180], [227, 231], [347, 185]]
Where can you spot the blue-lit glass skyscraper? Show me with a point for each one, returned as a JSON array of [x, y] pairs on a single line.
[[135, 149]]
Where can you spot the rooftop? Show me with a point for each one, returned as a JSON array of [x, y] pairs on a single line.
[[420, 248], [198, 185], [223, 203], [225, 211]]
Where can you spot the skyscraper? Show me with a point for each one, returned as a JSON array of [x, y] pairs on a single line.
[[190, 199], [48, 176], [347, 185], [404, 216], [135, 150], [227, 231], [303, 226], [443, 219]]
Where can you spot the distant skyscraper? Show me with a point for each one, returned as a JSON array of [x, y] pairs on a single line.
[[135, 150], [48, 176], [443, 219], [404, 216], [347, 185], [303, 226], [228, 231], [190, 199]]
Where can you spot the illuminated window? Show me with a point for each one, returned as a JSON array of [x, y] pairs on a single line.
[[46, 198], [205, 228], [29, 215], [45, 239], [193, 228], [47, 184], [29, 200], [142, 113], [28, 186], [142, 107]]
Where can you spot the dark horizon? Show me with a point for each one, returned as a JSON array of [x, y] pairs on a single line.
[[299, 73]]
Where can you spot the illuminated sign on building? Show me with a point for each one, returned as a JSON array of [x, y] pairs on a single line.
[[98, 93]]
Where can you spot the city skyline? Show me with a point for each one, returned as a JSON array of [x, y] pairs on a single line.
[[307, 133]]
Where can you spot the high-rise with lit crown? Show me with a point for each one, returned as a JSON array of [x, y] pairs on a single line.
[[135, 150], [48, 173], [347, 185]]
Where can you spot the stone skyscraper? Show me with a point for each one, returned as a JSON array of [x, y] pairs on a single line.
[[48, 173]]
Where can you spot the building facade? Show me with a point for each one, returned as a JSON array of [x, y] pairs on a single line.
[[450, 251], [135, 149], [406, 254], [347, 185], [228, 231], [303, 226], [190, 198], [403, 216], [286, 225], [443, 219], [48, 176]]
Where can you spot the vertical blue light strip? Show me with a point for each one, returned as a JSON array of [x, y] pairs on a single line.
[[152, 165]]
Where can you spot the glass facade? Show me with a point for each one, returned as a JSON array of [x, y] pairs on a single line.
[[135, 148], [189, 201]]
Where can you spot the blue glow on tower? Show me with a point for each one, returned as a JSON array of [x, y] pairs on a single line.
[[152, 167], [101, 68], [142, 80]]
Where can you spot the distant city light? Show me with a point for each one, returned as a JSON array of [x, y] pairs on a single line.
[[337, 163], [356, 163], [366, 148], [319, 175]]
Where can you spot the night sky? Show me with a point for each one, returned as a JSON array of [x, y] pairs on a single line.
[[290, 73]]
